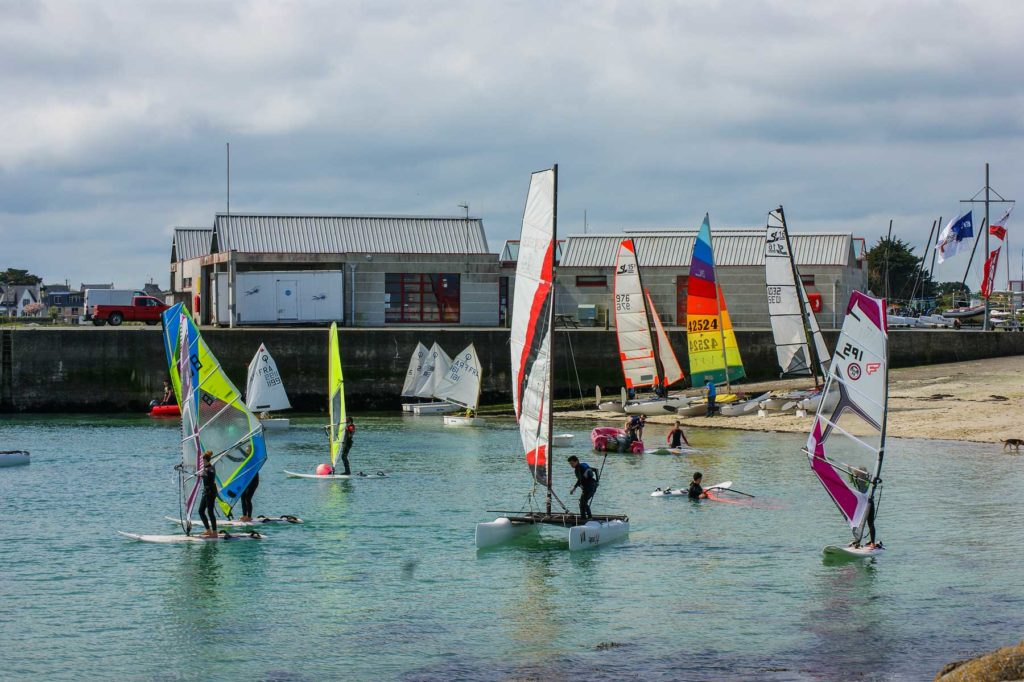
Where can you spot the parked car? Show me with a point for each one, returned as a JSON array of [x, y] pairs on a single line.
[[142, 309]]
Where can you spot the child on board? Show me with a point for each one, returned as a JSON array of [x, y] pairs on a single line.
[[696, 491], [208, 475], [676, 437], [586, 481]]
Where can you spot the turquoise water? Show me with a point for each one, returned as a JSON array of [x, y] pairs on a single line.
[[384, 582]]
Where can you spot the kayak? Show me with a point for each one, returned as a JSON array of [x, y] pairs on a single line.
[[165, 411]]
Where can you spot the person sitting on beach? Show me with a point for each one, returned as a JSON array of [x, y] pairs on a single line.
[[676, 437], [586, 481], [696, 491]]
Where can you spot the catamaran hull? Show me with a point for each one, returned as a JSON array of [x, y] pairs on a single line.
[[562, 440], [738, 408], [653, 408], [275, 424], [434, 408], [164, 539], [612, 406], [835, 551], [500, 531], [696, 409], [451, 420], [594, 534], [14, 458]]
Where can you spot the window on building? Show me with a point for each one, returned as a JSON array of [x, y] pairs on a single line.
[[503, 301], [186, 282], [421, 297], [591, 280], [807, 280]]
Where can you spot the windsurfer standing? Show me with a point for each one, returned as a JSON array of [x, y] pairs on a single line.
[[862, 481], [208, 475], [346, 444], [586, 481], [247, 494], [696, 491]]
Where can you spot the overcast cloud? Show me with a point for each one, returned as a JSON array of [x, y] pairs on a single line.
[[115, 116]]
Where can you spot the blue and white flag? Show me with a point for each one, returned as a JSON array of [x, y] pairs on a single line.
[[954, 236]]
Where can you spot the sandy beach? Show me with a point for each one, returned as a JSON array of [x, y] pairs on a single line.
[[980, 401]]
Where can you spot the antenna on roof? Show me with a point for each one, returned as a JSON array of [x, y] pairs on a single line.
[[465, 206], [228, 144], [584, 221]]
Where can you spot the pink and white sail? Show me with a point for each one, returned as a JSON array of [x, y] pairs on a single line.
[[847, 442], [532, 316]]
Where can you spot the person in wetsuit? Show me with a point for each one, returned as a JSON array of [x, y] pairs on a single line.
[[696, 491], [208, 475], [346, 444], [586, 481], [861, 480], [676, 437], [247, 494]]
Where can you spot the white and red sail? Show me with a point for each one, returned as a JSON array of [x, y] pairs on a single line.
[[671, 370], [847, 442], [532, 317]]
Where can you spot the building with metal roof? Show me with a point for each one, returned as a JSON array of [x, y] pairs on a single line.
[[256, 268]]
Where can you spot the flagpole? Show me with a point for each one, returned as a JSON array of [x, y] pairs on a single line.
[[987, 325]]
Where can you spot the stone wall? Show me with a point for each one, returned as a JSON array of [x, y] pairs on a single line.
[[121, 369]]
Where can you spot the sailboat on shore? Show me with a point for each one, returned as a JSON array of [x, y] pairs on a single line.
[[799, 344], [645, 352], [532, 381], [846, 444]]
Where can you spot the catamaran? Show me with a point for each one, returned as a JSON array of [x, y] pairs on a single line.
[[532, 380], [461, 385], [645, 353], [714, 354], [799, 344], [264, 390], [414, 375], [846, 445], [436, 366], [336, 414], [213, 417]]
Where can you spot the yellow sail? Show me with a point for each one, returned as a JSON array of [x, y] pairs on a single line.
[[336, 393]]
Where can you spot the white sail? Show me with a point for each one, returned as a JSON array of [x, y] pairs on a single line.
[[784, 306], [264, 390], [414, 374], [461, 384], [532, 315], [436, 366], [632, 329], [670, 366]]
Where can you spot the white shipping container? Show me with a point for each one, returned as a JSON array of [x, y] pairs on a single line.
[[283, 297]]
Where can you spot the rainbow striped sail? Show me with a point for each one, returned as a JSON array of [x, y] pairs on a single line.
[[712, 343], [214, 416]]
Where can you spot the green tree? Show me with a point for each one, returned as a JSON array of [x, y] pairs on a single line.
[[903, 268], [16, 276]]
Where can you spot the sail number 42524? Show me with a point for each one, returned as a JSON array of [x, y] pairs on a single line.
[[702, 325]]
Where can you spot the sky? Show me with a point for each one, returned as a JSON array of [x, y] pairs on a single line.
[[116, 114]]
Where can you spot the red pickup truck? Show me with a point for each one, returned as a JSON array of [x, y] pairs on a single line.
[[142, 309]]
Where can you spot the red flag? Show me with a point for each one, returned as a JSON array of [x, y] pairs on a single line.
[[991, 264], [997, 231]]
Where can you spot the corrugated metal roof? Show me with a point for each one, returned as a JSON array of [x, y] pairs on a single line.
[[190, 242], [260, 233], [732, 247], [510, 252]]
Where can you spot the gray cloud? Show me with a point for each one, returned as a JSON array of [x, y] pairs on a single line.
[[116, 113]]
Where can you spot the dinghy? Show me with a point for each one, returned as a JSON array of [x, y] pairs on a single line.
[[213, 417], [14, 458], [611, 439], [846, 445], [414, 376], [532, 378], [610, 405], [164, 411], [264, 390], [714, 354], [436, 366], [461, 385], [562, 440]]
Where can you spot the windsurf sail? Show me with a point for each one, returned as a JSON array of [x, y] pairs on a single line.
[[264, 390], [647, 358], [712, 343], [461, 384], [415, 372], [335, 393], [532, 318], [436, 366], [214, 417], [847, 442], [793, 321]]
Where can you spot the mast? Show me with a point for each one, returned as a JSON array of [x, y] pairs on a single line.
[[811, 346], [875, 480], [718, 308], [987, 326], [551, 326]]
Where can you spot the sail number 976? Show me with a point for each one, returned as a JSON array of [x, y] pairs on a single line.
[[622, 303]]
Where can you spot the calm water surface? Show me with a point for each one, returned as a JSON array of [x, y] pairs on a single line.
[[384, 582]]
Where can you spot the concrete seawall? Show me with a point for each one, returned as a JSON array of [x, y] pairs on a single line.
[[121, 370]]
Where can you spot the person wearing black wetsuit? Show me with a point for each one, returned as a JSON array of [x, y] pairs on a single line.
[[696, 491], [676, 437], [247, 494], [208, 475], [586, 481], [346, 444]]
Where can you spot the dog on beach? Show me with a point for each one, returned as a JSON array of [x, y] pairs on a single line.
[[1014, 443]]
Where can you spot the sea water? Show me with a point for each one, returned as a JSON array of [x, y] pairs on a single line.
[[383, 581]]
